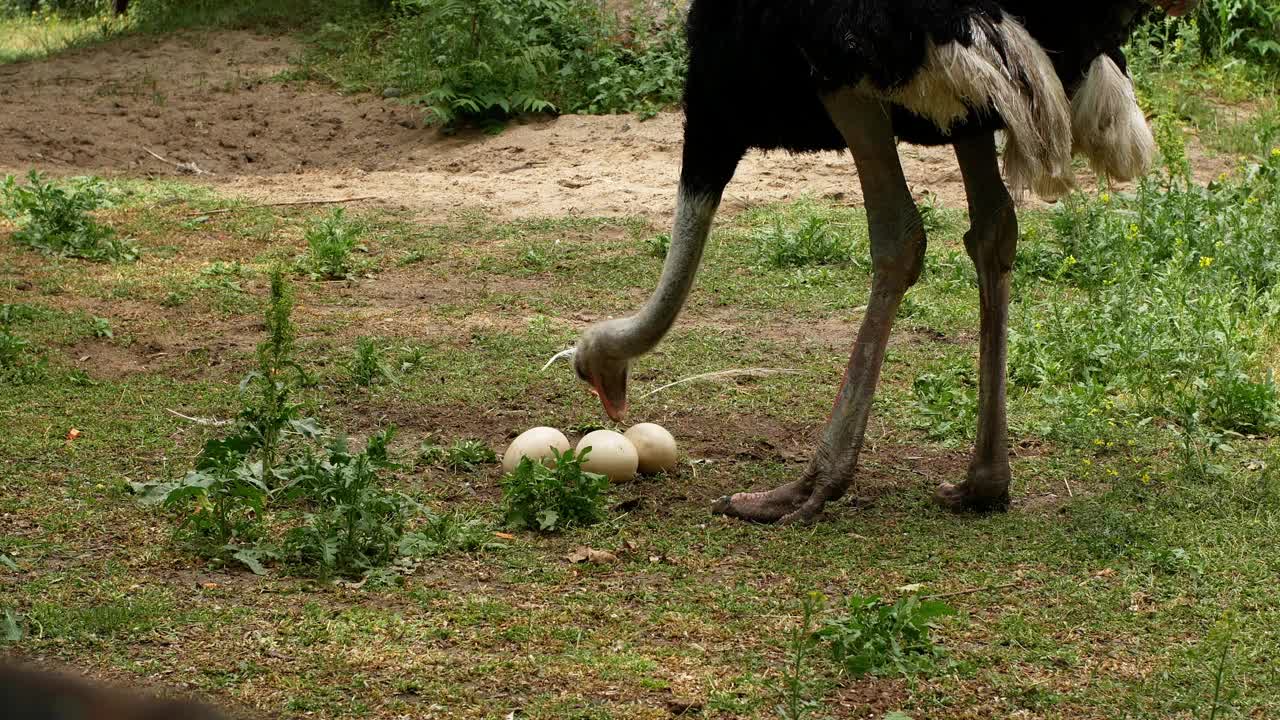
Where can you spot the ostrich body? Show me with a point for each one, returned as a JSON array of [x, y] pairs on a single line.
[[862, 74], [28, 693]]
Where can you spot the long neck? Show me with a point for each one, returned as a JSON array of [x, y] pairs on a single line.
[[633, 336]]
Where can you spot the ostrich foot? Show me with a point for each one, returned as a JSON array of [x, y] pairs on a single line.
[[765, 507], [972, 497]]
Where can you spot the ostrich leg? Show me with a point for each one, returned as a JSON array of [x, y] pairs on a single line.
[[897, 253], [991, 242]]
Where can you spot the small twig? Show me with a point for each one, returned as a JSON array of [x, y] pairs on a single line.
[[283, 204], [969, 591], [200, 421], [190, 167], [754, 372], [1067, 482]]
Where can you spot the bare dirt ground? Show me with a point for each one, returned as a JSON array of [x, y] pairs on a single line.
[[208, 99]]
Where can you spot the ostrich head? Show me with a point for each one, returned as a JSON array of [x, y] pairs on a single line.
[[598, 362]]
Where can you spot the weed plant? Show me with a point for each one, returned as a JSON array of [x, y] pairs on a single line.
[[332, 242], [545, 499], [1168, 299], [815, 242], [12, 347], [53, 219], [357, 525], [463, 456], [798, 687], [946, 404], [878, 637], [269, 410], [366, 366]]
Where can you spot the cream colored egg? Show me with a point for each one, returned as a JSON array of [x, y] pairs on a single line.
[[535, 444], [612, 454], [655, 446]]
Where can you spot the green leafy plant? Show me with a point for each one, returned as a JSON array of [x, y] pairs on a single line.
[[447, 532], [487, 60], [462, 456], [366, 366], [813, 243], [879, 637], [11, 629], [101, 328], [537, 497], [269, 410], [658, 245], [221, 275], [12, 347], [53, 219], [220, 501], [358, 525], [797, 686], [946, 403], [331, 243]]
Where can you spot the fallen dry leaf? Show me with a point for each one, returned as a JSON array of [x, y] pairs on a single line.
[[72, 434], [504, 536], [589, 555]]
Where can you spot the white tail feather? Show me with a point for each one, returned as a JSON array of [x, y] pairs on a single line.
[[1003, 69], [1107, 125]]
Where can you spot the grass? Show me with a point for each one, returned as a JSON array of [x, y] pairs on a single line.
[[1105, 592], [43, 34]]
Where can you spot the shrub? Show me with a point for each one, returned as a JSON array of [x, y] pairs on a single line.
[[53, 219], [490, 59], [549, 499]]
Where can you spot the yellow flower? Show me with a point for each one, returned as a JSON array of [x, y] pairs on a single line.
[[1205, 261], [1105, 198], [1112, 472], [1146, 477], [1275, 152], [1097, 441]]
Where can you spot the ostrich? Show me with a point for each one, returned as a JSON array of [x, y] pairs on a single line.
[[862, 74]]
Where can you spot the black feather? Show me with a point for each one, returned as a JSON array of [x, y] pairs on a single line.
[[757, 68]]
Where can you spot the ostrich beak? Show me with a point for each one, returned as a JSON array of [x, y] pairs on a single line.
[[615, 407]]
